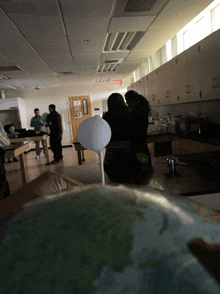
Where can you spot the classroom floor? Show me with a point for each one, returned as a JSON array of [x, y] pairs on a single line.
[[35, 167]]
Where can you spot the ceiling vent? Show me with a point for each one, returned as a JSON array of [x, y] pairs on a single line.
[[139, 5], [122, 41], [9, 68], [4, 77], [107, 68], [102, 80]]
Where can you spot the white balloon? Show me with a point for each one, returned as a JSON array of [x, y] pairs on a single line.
[[94, 133]]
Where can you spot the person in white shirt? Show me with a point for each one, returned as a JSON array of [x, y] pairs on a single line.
[[38, 123], [4, 141]]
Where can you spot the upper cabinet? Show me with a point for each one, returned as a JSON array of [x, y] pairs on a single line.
[[189, 77]]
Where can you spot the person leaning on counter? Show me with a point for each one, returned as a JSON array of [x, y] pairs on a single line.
[[4, 187]]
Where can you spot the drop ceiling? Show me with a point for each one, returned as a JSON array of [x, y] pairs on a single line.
[[62, 43]]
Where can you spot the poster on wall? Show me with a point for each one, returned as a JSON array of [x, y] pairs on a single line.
[[77, 109], [77, 103], [77, 112]]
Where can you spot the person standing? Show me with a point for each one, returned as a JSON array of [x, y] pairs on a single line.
[[56, 131], [139, 111], [4, 187], [37, 123]]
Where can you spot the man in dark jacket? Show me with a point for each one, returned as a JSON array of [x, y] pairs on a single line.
[[56, 131]]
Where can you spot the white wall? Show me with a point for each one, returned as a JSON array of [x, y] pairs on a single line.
[[7, 103], [61, 107], [23, 113], [59, 96]]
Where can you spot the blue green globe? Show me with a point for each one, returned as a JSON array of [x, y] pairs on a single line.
[[106, 240], [44, 117]]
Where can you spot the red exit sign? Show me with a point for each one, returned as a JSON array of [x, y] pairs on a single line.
[[120, 81]]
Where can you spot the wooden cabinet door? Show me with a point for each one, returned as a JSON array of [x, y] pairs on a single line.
[[76, 121]]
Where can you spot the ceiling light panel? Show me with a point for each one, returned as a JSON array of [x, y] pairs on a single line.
[[139, 5], [122, 4], [87, 60], [94, 46]]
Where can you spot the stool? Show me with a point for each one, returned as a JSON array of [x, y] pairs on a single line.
[[173, 161]]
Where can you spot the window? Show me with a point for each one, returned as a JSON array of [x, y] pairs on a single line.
[[215, 14], [134, 76], [146, 69], [150, 63], [187, 39], [200, 30], [142, 70], [174, 46], [161, 56], [168, 50], [138, 74]]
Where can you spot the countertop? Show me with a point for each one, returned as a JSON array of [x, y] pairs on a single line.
[[200, 176], [191, 136]]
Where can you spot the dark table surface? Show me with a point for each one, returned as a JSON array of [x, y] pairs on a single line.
[[200, 176]]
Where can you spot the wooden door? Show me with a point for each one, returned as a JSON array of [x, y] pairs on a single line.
[[76, 121]]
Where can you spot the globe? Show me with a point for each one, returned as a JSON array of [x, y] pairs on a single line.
[[44, 117], [106, 240]]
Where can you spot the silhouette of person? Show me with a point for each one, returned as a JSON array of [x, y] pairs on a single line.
[[121, 163]]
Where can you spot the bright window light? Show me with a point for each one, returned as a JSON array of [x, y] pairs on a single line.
[[138, 73], [134, 75], [200, 27], [168, 50], [146, 68], [215, 18], [150, 64], [187, 39]]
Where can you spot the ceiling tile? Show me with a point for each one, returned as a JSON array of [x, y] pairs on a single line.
[[130, 24], [55, 62], [136, 57], [127, 68], [87, 60], [30, 64], [94, 46], [87, 25], [90, 9], [4, 61]]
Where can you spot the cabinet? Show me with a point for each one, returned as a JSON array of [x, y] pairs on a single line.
[[185, 146]]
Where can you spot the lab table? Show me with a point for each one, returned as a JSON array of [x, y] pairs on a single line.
[[16, 149]]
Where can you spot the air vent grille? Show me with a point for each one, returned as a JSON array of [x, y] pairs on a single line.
[[4, 77], [102, 80], [122, 41], [9, 68], [107, 67], [112, 61], [139, 5]]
